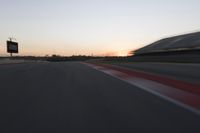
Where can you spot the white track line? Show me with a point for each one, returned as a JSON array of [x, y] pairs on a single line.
[[155, 88]]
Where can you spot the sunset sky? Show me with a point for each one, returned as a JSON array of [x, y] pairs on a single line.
[[98, 27]]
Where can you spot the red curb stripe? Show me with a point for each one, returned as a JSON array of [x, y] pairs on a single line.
[[189, 87], [185, 99]]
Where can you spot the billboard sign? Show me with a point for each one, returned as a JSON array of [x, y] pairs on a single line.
[[12, 47]]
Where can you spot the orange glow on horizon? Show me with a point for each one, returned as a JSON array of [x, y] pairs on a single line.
[[117, 53]]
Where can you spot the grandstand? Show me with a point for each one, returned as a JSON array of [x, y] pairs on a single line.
[[188, 43]]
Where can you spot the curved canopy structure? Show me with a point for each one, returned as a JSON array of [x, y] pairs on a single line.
[[183, 42]]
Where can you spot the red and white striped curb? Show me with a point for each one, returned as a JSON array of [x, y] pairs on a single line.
[[183, 94]]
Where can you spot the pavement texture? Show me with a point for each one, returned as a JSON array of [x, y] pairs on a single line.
[[187, 72], [72, 97], [8, 61]]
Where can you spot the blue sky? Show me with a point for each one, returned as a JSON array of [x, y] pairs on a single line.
[[98, 27]]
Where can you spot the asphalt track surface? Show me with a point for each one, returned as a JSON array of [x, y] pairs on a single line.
[[185, 72], [74, 98]]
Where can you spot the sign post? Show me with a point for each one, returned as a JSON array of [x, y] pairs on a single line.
[[12, 47]]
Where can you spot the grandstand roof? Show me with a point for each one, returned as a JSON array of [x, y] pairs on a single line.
[[181, 42]]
